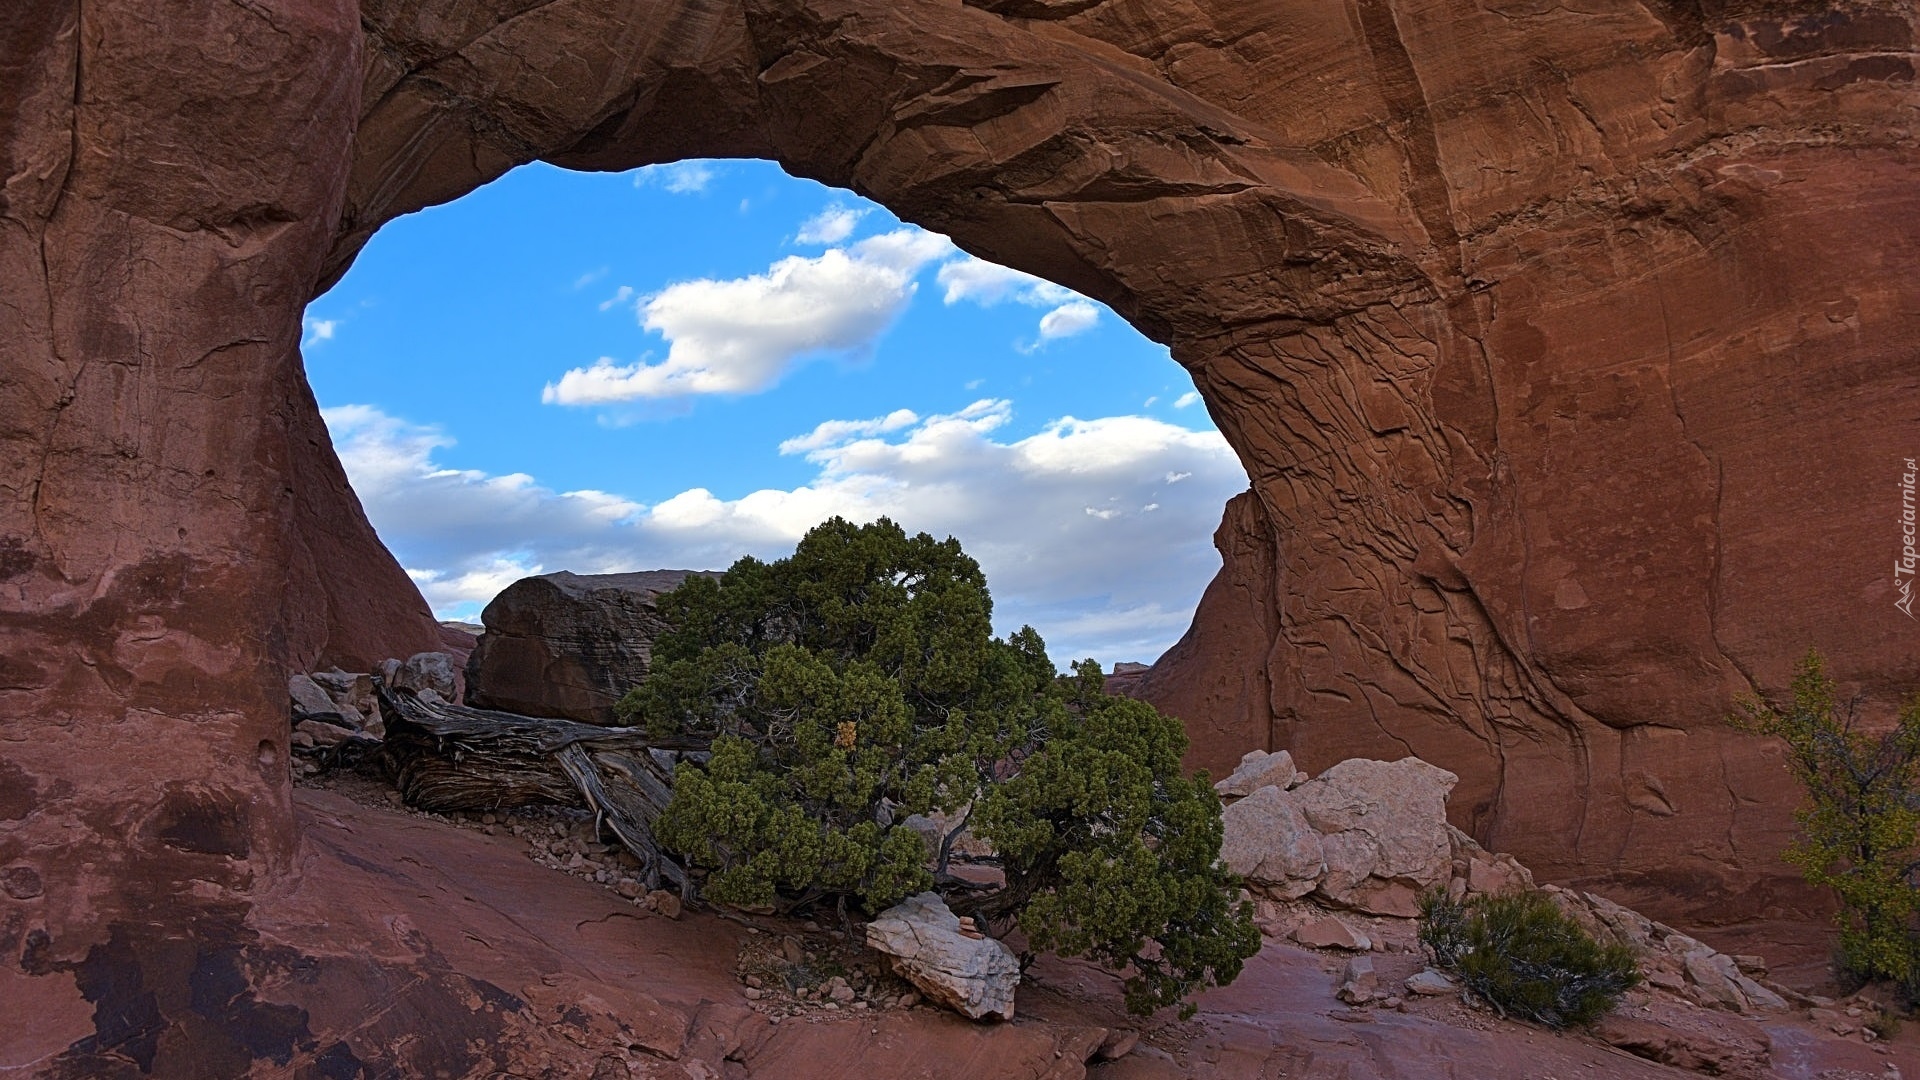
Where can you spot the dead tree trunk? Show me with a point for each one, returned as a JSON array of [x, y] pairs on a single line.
[[450, 757]]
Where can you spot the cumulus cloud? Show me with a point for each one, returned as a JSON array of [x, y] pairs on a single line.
[[1187, 400], [1074, 317], [678, 178], [739, 336], [620, 296], [987, 284], [834, 432], [830, 226], [1080, 527]]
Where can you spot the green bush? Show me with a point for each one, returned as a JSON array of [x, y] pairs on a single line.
[[857, 682], [1858, 829], [1523, 955], [1111, 854]]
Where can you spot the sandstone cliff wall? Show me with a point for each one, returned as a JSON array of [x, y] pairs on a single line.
[[1570, 353]]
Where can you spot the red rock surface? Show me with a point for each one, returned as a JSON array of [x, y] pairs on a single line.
[[1549, 339], [410, 948], [1570, 353]]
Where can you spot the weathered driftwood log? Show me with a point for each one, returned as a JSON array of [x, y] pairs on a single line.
[[450, 757]]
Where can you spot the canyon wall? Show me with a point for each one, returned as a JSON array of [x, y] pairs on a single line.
[[1570, 354]]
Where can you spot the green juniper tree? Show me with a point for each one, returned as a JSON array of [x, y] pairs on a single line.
[[1110, 853], [1860, 829], [857, 682]]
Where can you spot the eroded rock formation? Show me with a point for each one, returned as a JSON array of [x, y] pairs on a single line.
[[1569, 353], [567, 645]]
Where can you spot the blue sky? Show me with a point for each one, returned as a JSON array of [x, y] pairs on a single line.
[[680, 365]]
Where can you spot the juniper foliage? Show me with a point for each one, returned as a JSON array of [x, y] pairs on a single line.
[[857, 682]]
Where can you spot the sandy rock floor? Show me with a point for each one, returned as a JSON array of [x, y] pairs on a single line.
[[619, 984]]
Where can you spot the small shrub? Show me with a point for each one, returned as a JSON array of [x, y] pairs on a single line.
[[1525, 957], [1860, 826], [1884, 1023]]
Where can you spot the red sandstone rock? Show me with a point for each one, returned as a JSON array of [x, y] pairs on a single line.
[[568, 645], [412, 948], [1569, 352]]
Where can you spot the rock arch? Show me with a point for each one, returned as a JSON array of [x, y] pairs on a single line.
[[1570, 356]]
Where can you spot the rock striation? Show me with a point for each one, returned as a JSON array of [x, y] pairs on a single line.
[[568, 645]]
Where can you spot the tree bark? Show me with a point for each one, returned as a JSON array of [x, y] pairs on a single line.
[[450, 757]]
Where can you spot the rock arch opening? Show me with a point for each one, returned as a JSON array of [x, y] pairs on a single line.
[[677, 366]]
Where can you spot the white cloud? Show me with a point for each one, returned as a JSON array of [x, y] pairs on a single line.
[[1187, 400], [987, 284], [679, 178], [620, 296], [740, 336], [317, 331], [834, 432], [1050, 516], [1073, 317], [830, 226], [589, 278]]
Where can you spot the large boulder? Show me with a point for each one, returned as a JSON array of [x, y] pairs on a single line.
[[568, 645], [1268, 841], [1383, 831], [1368, 835], [925, 943]]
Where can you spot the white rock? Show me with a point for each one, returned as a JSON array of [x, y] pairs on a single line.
[[934, 828], [1383, 829], [1259, 769], [1759, 996], [1430, 983], [1267, 841], [1358, 981], [921, 937], [1327, 932], [1713, 981], [425, 671]]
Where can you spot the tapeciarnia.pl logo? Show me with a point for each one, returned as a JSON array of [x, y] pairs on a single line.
[[1904, 566]]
